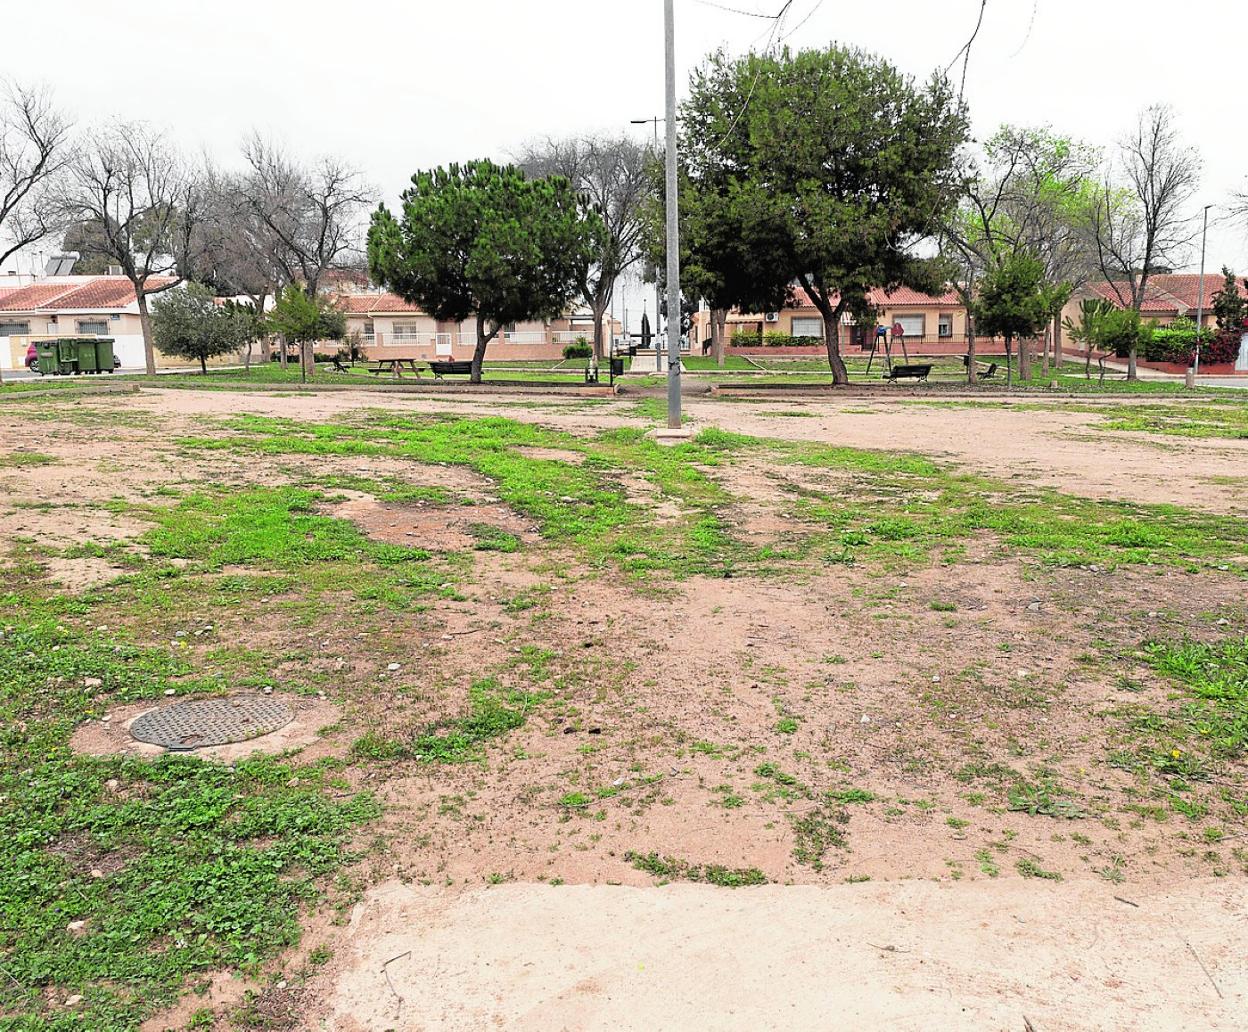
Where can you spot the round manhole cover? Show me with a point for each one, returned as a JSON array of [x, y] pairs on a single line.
[[196, 724]]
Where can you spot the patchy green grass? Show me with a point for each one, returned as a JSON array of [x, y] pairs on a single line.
[[19, 460], [668, 868], [1225, 421], [493, 711], [890, 508], [905, 509], [583, 505], [1215, 679], [121, 879]]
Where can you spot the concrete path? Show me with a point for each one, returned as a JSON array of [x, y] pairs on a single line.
[[901, 956]]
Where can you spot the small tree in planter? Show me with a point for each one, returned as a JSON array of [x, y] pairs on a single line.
[[580, 349]]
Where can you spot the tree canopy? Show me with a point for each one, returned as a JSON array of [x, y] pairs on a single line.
[[189, 323], [1014, 301], [481, 240], [303, 319], [1229, 306], [835, 157]]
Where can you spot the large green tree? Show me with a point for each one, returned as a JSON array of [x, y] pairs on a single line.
[[843, 156], [189, 323], [482, 241]]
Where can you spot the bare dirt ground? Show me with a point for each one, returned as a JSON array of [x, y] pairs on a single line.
[[708, 721]]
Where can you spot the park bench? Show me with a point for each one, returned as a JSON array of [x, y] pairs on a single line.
[[441, 369], [984, 373], [908, 372]]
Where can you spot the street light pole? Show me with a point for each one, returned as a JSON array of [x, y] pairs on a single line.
[[1200, 293], [673, 229]]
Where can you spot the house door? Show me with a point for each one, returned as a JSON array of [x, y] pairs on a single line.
[[443, 344]]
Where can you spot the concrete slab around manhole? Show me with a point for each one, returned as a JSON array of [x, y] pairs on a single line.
[[113, 736], [902, 956]]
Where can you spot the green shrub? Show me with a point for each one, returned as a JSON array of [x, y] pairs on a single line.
[[773, 340], [581, 349]]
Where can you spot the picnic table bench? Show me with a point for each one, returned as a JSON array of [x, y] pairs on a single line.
[[449, 368], [908, 372], [395, 367]]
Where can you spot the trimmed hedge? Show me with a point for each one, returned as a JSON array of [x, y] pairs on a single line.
[[774, 340]]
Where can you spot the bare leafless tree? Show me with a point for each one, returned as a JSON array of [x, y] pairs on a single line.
[[612, 176], [144, 202], [33, 154], [237, 254], [313, 213], [1140, 222], [312, 216]]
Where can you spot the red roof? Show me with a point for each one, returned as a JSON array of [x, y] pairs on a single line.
[[367, 304], [1168, 294], [879, 298], [111, 293]]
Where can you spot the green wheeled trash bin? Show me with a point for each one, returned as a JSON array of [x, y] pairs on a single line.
[[85, 349], [95, 354], [57, 357]]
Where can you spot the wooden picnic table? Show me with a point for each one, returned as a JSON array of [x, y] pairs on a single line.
[[395, 367]]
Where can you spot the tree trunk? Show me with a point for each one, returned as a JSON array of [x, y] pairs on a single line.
[[719, 327], [203, 365], [145, 323], [478, 355], [282, 356], [1048, 339], [1057, 344], [1024, 359], [1009, 368], [1132, 368], [599, 315], [972, 374], [247, 358], [307, 357], [832, 341]]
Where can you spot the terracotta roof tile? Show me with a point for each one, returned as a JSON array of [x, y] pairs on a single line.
[[1168, 294], [368, 304], [71, 295], [901, 297]]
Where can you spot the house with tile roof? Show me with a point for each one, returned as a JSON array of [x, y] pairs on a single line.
[[383, 325], [75, 306], [1167, 296], [933, 324]]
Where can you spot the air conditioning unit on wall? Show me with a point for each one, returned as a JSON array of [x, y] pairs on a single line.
[[772, 317]]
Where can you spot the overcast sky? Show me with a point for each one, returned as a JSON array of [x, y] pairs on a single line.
[[398, 85]]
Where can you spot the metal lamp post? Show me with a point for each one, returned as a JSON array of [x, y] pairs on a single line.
[[1200, 292], [673, 229]]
